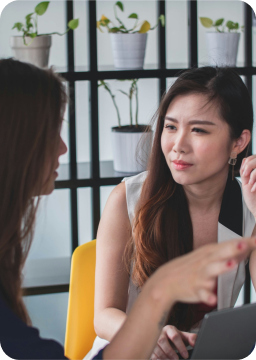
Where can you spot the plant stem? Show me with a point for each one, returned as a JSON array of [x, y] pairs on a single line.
[[114, 102], [117, 18], [137, 104], [118, 115], [130, 97], [36, 25]]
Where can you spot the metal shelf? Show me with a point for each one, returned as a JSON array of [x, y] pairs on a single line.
[[140, 73]]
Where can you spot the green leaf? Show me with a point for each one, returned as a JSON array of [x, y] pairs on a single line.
[[206, 22], [28, 17], [73, 24], [133, 16], [145, 27], [236, 26], [18, 26], [33, 35], [218, 22], [123, 92], [230, 25], [162, 19], [114, 30], [120, 5], [104, 22], [41, 8]]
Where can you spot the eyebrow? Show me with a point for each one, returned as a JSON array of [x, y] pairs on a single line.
[[192, 122]]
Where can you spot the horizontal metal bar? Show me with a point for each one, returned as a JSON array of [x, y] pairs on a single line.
[[42, 290], [72, 184], [142, 74]]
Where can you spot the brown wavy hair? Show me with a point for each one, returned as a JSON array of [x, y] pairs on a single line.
[[32, 103], [162, 228]]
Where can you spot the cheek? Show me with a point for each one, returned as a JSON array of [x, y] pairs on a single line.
[[166, 144], [211, 152]]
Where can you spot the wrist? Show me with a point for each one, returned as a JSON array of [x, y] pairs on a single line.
[[160, 294]]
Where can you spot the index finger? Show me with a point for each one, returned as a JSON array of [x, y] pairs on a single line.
[[233, 249]]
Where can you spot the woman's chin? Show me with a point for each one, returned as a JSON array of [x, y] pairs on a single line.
[[182, 179]]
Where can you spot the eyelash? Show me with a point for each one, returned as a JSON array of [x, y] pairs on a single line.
[[198, 130]]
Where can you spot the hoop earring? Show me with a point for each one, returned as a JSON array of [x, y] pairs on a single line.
[[232, 161]]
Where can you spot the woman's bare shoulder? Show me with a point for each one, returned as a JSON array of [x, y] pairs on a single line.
[[115, 219]]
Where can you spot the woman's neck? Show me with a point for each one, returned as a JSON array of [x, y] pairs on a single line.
[[206, 196]]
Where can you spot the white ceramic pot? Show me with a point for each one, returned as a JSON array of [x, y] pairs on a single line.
[[222, 48], [128, 50], [36, 53], [128, 156]]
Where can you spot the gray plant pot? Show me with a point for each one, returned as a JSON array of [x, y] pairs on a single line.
[[128, 156], [36, 53], [222, 48], [129, 50]]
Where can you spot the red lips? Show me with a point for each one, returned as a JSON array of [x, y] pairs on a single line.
[[181, 162]]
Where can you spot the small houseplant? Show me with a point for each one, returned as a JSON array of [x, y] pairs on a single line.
[[125, 138], [128, 44], [31, 46], [223, 42]]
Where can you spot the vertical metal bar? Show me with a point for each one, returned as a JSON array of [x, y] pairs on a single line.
[[94, 127], [192, 34], [248, 82], [161, 48], [72, 129]]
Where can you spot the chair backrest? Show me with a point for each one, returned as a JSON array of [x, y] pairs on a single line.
[[80, 332]]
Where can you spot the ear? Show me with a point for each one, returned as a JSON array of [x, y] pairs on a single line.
[[241, 143]]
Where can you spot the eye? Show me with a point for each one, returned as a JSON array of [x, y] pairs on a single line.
[[170, 127], [199, 130]]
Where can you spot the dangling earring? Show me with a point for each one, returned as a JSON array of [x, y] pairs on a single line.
[[232, 161]]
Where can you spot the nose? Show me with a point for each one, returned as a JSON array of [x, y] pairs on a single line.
[[62, 147], [180, 143]]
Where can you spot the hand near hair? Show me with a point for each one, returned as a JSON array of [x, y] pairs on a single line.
[[248, 176]]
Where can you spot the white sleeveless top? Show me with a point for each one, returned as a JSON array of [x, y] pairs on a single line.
[[235, 221]]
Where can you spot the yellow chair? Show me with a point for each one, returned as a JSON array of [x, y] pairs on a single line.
[[80, 332]]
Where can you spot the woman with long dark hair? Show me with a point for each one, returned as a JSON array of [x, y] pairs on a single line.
[[187, 198], [32, 103]]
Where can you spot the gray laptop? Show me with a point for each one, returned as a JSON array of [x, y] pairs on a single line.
[[227, 334]]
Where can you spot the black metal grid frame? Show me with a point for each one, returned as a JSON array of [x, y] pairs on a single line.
[[93, 75]]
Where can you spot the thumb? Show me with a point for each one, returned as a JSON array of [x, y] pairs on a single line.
[[192, 339], [188, 338]]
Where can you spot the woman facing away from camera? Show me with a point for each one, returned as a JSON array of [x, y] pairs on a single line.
[[188, 198], [32, 103]]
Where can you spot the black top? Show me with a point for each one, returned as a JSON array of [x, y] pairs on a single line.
[[20, 341]]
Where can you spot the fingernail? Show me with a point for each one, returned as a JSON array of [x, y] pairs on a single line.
[[174, 356], [251, 181], [229, 263], [184, 354], [240, 245]]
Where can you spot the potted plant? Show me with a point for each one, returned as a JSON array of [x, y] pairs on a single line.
[[128, 44], [31, 46], [222, 45], [128, 156]]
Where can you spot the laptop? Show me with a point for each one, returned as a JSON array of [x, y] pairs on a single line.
[[227, 334]]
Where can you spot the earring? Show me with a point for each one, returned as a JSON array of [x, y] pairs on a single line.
[[232, 161]]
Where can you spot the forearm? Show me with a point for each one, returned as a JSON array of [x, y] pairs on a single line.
[[108, 322], [138, 335]]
